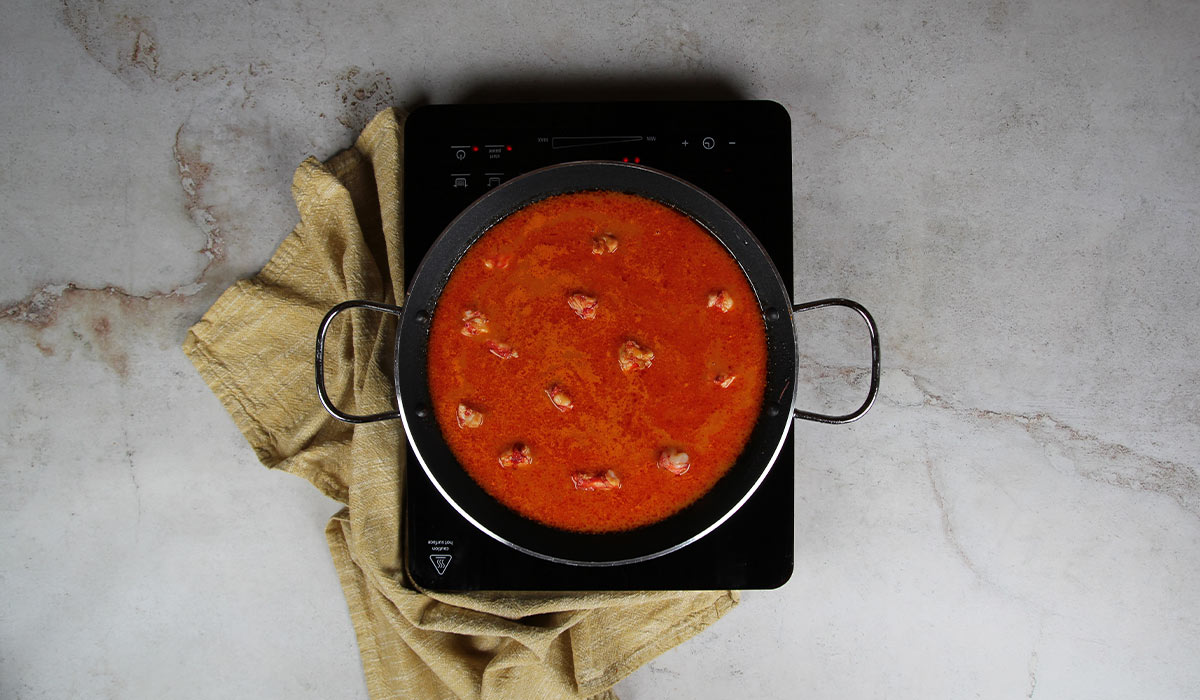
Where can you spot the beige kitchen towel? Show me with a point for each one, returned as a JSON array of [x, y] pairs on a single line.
[[254, 348]]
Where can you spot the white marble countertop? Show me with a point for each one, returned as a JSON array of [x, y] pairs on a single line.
[[1011, 188]]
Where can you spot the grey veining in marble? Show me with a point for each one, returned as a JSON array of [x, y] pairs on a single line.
[[1010, 187]]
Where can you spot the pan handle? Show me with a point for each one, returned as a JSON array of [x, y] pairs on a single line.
[[320, 361], [875, 367]]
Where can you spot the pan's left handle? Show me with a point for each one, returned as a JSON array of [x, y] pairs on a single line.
[[320, 363], [873, 391]]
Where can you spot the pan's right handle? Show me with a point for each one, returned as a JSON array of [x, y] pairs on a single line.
[[875, 367], [320, 362]]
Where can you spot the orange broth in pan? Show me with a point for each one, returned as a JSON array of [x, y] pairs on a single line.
[[581, 422]]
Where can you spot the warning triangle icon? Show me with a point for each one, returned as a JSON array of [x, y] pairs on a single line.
[[440, 562]]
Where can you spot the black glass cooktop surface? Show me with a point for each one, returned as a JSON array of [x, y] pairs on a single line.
[[737, 151]]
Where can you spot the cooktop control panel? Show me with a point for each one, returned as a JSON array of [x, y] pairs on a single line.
[[477, 166], [739, 152]]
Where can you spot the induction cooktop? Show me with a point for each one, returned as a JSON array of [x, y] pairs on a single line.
[[737, 151]]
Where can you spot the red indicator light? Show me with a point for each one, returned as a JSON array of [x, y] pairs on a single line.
[[474, 148], [624, 160], [637, 160], [508, 148]]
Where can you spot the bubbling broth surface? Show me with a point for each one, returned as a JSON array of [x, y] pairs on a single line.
[[597, 361]]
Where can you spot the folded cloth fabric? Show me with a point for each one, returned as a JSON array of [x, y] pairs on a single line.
[[254, 348]]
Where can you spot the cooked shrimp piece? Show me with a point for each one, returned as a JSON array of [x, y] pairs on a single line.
[[633, 356], [469, 417], [502, 350], [583, 306], [674, 461], [720, 301], [516, 456], [606, 481], [474, 323], [559, 398], [724, 380], [604, 243], [500, 262]]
